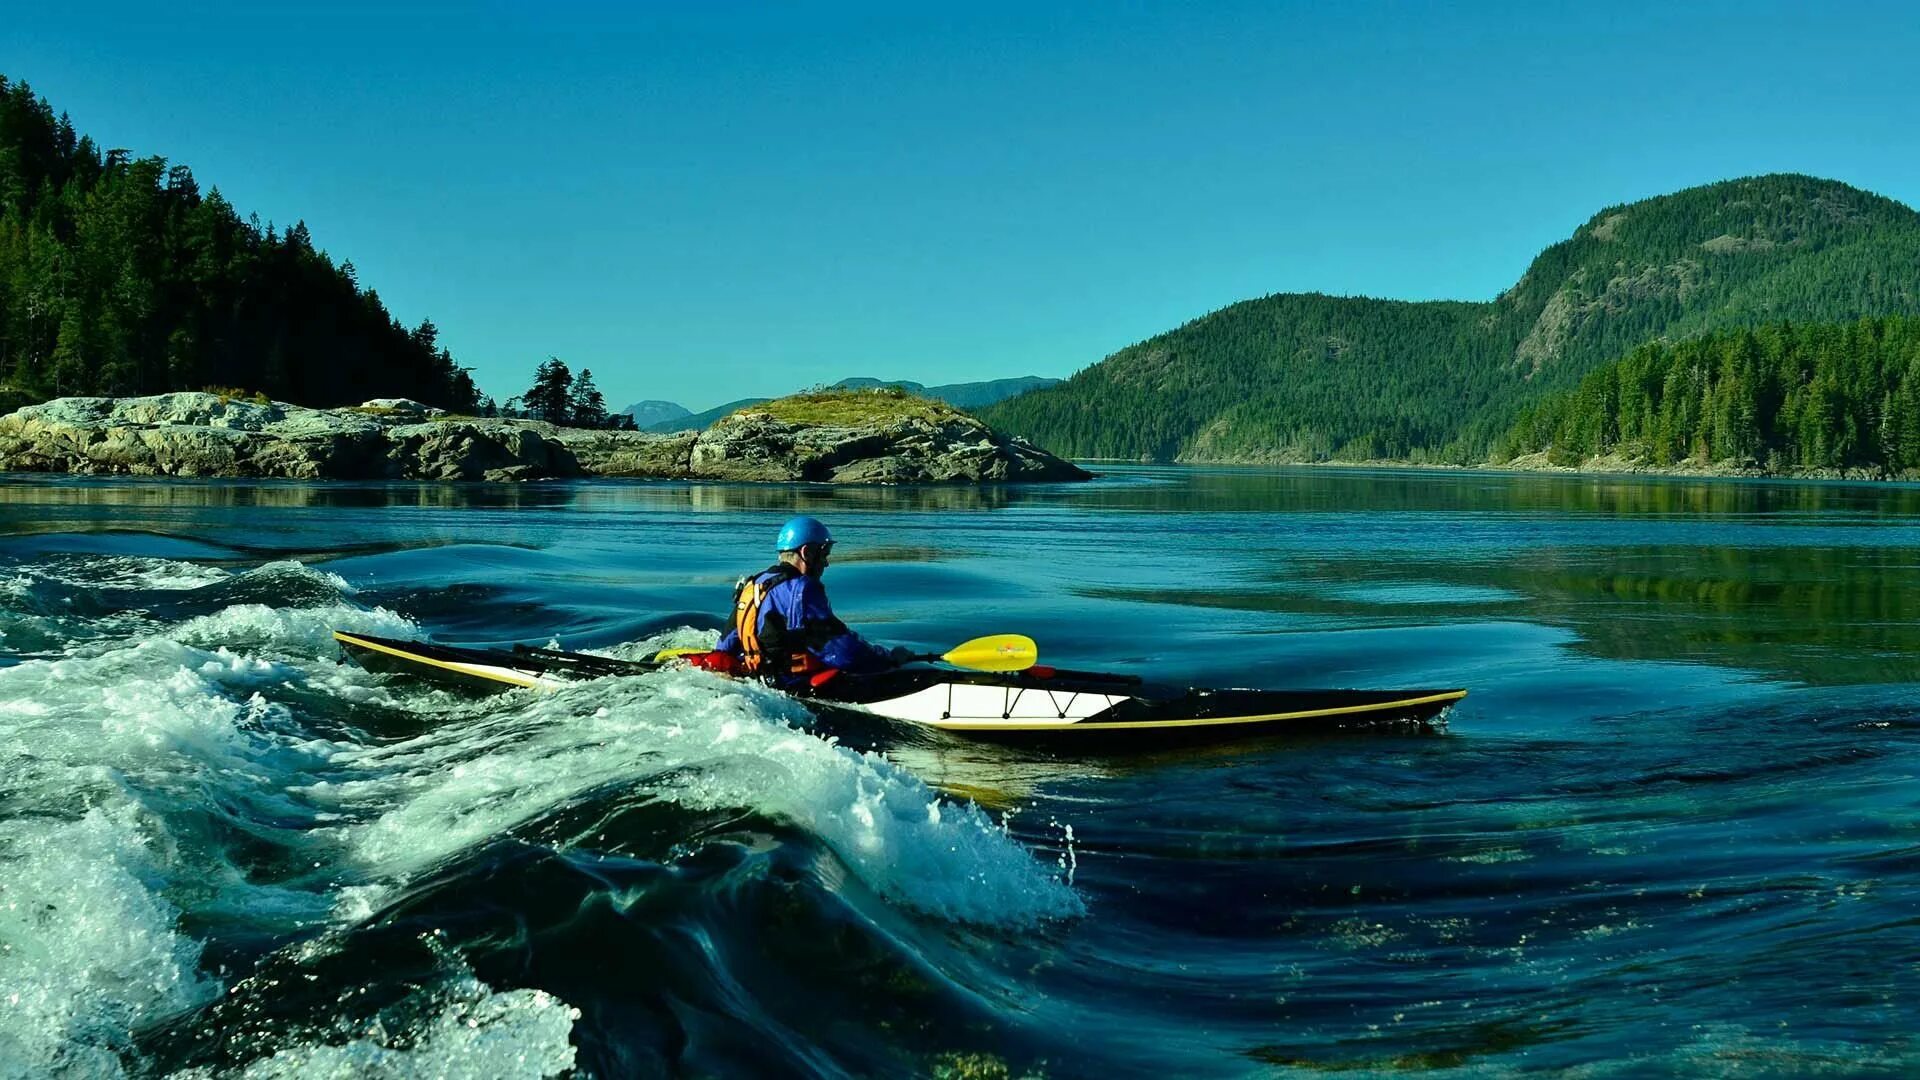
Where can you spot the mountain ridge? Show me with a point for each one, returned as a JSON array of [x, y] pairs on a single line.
[[1308, 376], [653, 411]]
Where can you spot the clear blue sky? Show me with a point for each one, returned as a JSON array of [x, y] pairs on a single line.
[[711, 200]]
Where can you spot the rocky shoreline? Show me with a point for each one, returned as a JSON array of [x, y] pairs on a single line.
[[1601, 465], [1623, 465], [193, 434]]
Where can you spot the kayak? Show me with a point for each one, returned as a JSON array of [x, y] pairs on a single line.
[[1039, 704]]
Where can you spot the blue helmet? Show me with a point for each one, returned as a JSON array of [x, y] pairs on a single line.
[[802, 532]]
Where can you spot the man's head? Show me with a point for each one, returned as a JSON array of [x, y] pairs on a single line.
[[805, 544]]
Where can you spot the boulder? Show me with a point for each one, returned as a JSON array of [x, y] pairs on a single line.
[[479, 450], [888, 449], [635, 454], [401, 406]]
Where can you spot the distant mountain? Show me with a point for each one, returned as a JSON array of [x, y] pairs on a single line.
[[701, 421], [972, 395], [1301, 377], [648, 413]]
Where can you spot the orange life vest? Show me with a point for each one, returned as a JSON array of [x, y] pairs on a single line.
[[785, 651]]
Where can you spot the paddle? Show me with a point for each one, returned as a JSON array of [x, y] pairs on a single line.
[[996, 652], [665, 655]]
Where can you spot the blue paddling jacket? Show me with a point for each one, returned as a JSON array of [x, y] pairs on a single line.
[[785, 631]]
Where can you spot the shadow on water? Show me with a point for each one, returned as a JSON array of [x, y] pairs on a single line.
[[1003, 777]]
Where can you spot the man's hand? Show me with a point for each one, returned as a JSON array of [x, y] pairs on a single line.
[[900, 654]]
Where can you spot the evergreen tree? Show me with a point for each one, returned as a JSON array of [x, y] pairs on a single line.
[[118, 276], [587, 405], [551, 396], [1835, 395]]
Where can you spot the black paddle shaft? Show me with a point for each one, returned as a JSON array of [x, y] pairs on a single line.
[[1057, 673], [591, 665]]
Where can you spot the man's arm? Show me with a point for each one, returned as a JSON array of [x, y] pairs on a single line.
[[829, 639], [730, 641]]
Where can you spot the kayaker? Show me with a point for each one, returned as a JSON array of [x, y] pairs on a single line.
[[784, 630]]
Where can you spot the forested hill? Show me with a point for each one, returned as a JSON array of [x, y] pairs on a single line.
[[1781, 397], [119, 276], [1301, 377]]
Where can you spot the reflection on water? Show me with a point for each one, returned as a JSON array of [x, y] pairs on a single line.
[[1816, 582], [128, 493], [1818, 614], [1002, 777], [1120, 488]]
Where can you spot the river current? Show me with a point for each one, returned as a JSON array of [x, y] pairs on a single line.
[[1674, 830]]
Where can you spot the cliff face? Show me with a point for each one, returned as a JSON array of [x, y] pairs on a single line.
[[200, 434]]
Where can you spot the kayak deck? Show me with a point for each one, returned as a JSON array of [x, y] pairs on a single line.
[[1041, 704]]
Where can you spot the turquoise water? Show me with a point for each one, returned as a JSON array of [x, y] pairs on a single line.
[[1675, 829]]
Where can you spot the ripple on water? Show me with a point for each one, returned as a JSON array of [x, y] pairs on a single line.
[[1670, 833]]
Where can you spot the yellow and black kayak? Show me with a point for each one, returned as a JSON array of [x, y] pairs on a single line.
[[1038, 704]]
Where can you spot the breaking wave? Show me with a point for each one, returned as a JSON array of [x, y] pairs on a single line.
[[192, 783]]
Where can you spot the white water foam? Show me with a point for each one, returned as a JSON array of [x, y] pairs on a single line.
[[110, 763], [131, 572], [137, 572], [38, 611], [685, 637], [88, 949], [705, 743], [117, 759], [38, 615], [482, 1035], [307, 631]]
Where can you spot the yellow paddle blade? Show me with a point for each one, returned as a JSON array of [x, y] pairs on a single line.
[[665, 655], [998, 652]]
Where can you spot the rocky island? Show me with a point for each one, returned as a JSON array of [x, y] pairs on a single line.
[[840, 436]]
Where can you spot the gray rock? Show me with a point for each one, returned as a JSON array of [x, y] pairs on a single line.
[[888, 450], [199, 434], [629, 453], [401, 405]]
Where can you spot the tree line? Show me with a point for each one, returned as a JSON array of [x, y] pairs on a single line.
[[118, 275], [1782, 395]]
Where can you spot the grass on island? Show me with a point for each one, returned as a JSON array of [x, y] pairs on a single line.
[[846, 408], [230, 394]]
